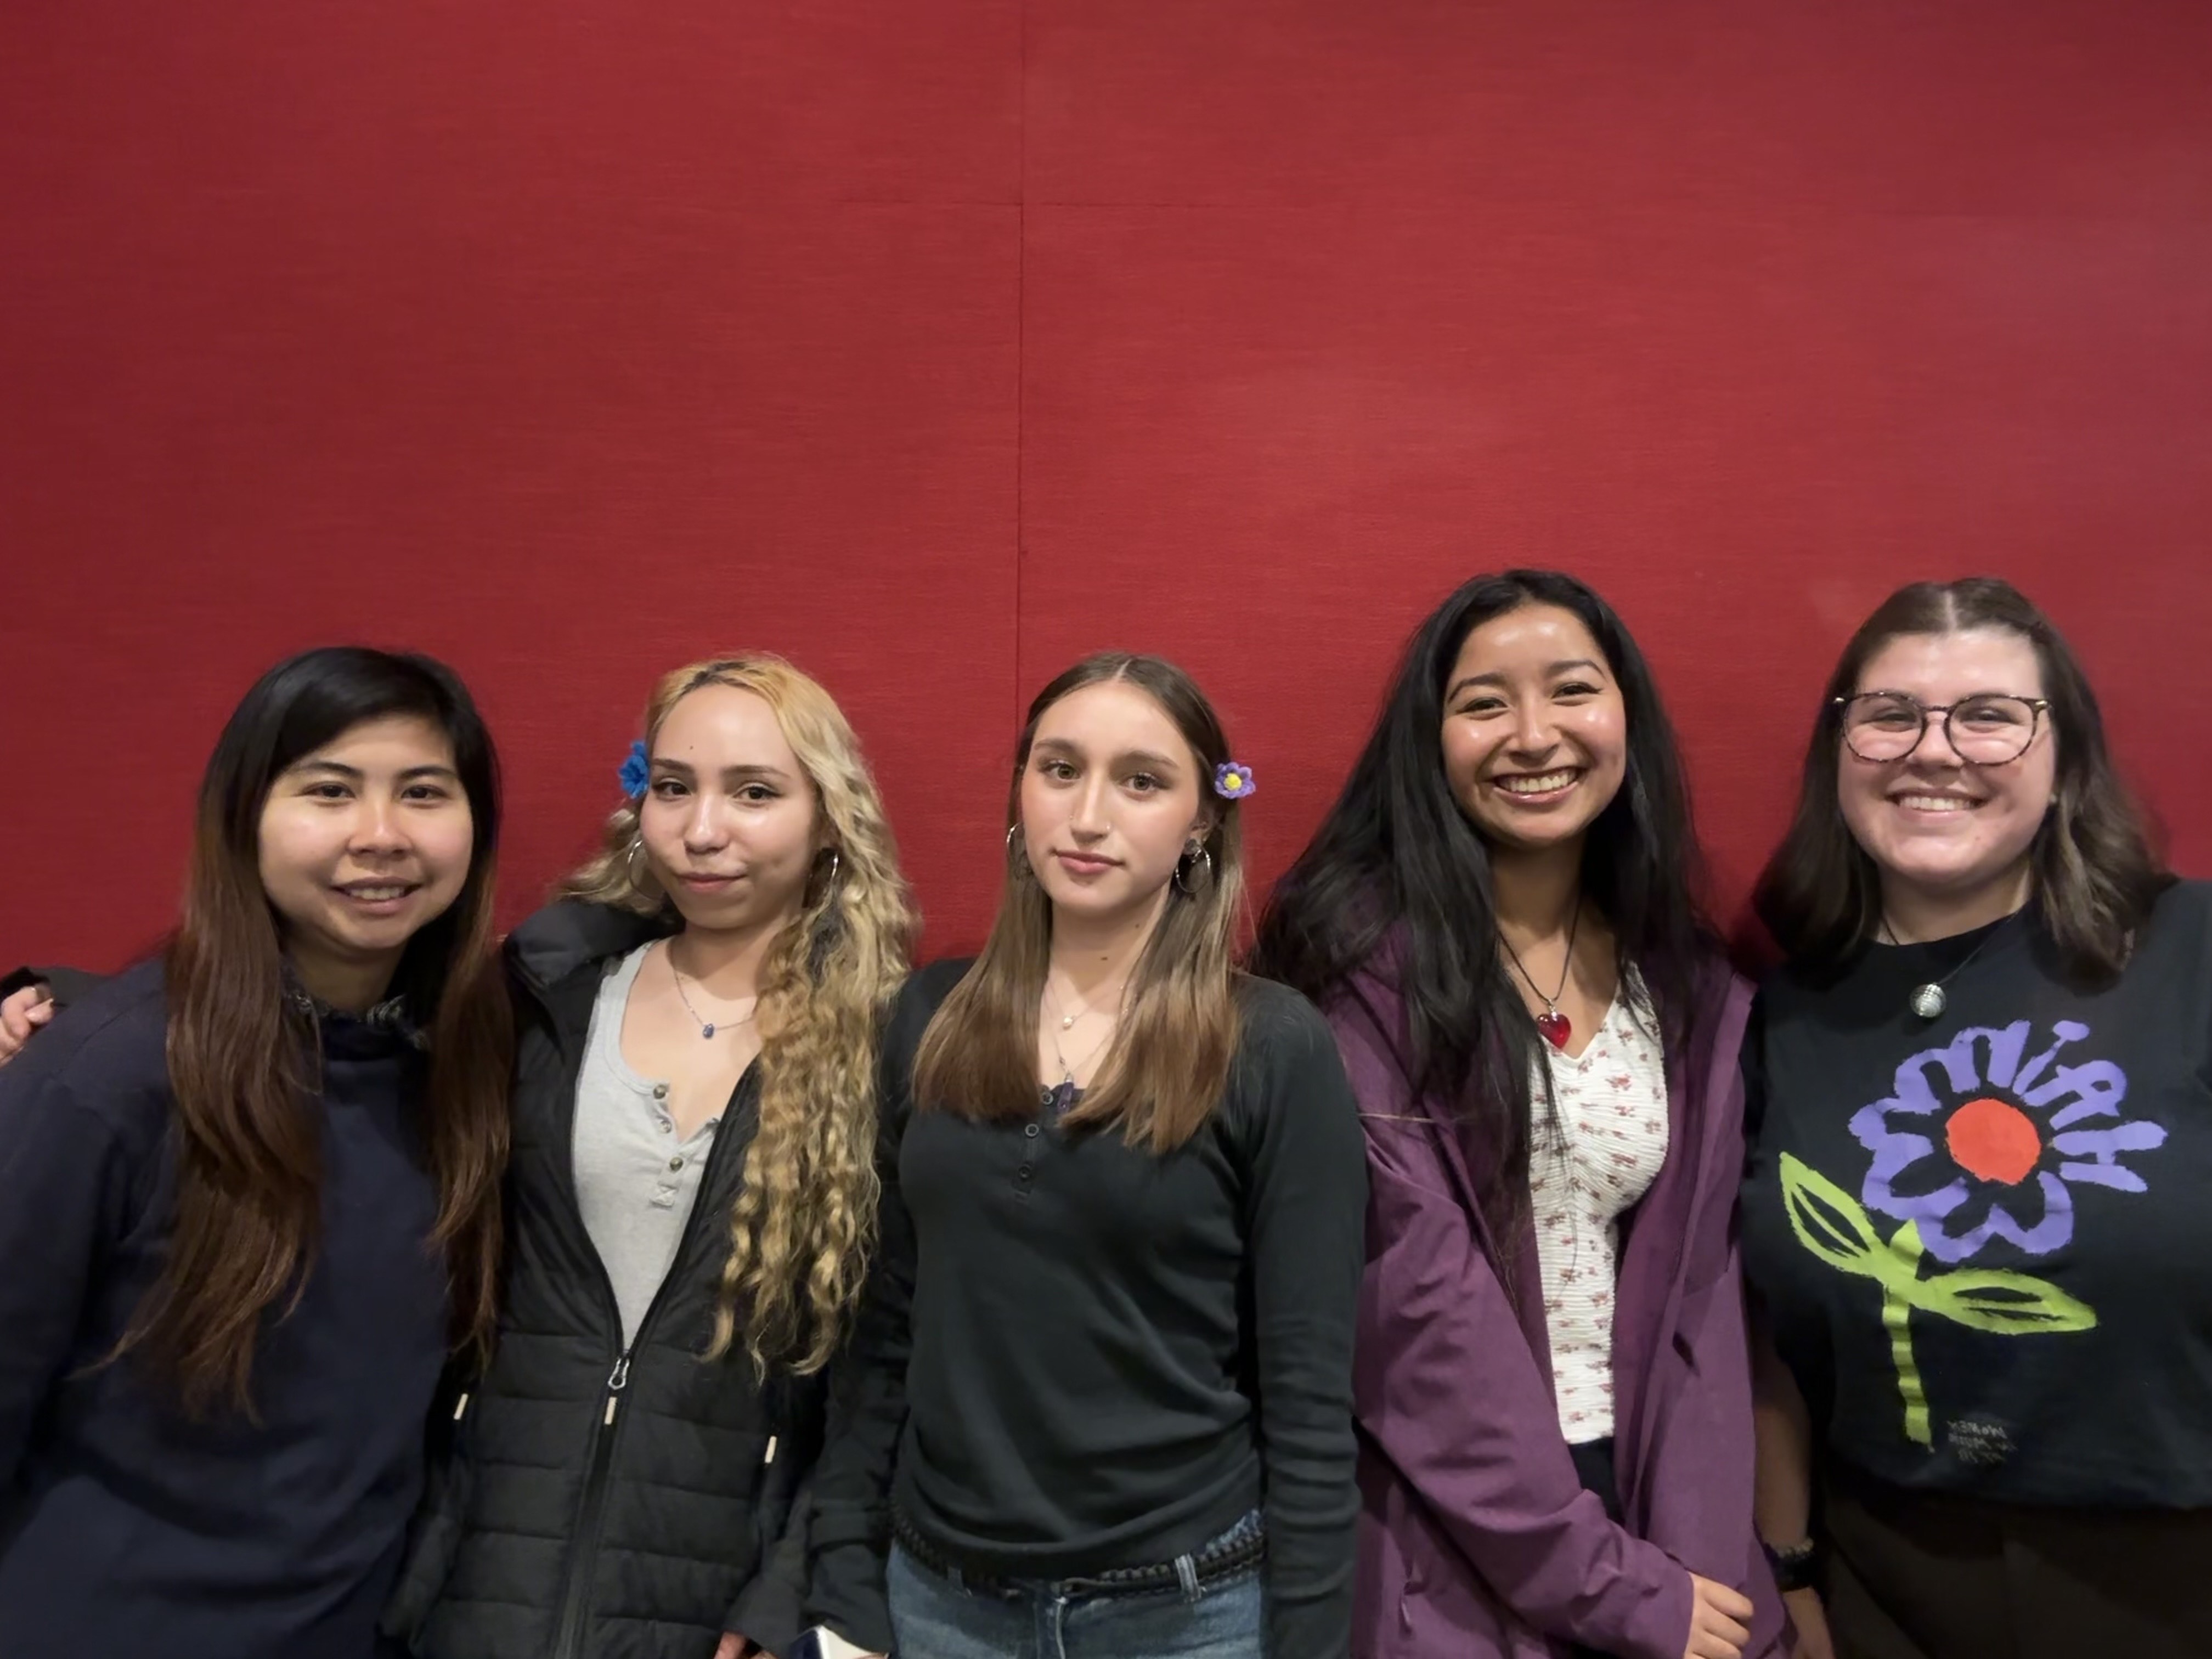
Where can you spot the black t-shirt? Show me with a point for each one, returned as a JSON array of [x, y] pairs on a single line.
[[1101, 1357], [1984, 1242]]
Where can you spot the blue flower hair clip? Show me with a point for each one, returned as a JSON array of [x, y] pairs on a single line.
[[636, 772], [1232, 781]]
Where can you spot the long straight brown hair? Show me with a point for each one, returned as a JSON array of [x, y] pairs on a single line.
[[2093, 872], [242, 1054], [1170, 1056]]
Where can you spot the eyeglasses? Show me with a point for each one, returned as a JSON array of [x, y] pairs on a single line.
[[1982, 730]]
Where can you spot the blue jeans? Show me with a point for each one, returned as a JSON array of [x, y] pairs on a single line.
[[933, 1618]]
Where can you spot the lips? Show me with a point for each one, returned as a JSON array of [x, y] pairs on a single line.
[[1085, 864], [377, 890], [376, 900], [1537, 786]]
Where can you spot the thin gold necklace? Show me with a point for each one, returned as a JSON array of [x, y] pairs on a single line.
[[1066, 1020], [706, 1027]]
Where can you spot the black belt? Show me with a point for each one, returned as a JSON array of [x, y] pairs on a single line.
[[1210, 1565]]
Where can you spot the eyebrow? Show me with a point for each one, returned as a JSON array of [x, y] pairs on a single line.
[[1552, 671], [1134, 757], [354, 774], [1963, 696], [684, 769]]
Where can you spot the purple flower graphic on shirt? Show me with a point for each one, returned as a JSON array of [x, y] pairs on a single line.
[[1978, 1141], [1981, 1141]]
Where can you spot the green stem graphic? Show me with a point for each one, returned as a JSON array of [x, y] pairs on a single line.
[[1897, 1317]]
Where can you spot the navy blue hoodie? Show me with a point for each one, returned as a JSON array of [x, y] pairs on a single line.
[[125, 1526]]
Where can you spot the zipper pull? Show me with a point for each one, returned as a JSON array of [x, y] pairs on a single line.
[[770, 1456], [461, 1408], [617, 1380]]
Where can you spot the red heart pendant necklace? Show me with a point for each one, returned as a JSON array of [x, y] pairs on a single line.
[[1555, 1026]]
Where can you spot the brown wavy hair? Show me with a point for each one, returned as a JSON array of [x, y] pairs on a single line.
[[804, 1217], [2094, 872], [1169, 1057], [243, 1059]]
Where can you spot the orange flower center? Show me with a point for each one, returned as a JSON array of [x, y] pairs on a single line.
[[1994, 1140]]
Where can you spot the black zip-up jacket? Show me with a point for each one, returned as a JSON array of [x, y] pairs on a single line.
[[586, 1503]]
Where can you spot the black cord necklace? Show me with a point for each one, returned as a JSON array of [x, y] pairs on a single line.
[[1556, 1026], [1929, 1000]]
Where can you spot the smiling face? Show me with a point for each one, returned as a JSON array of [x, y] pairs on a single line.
[[1535, 732], [363, 843], [729, 822], [1934, 824], [1109, 799]]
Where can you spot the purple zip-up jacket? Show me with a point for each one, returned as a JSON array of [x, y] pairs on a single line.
[[1477, 1541]]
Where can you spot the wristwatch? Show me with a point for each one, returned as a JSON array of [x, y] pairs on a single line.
[[1796, 1568]]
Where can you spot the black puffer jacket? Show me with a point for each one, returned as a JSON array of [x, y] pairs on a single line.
[[587, 1503]]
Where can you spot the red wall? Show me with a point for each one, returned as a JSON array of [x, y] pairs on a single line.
[[935, 343]]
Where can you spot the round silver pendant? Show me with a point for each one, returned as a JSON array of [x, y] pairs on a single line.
[[1929, 1001]]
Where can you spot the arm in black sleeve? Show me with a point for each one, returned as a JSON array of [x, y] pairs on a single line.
[[1306, 1221], [851, 1523], [768, 1610], [1751, 1074], [65, 1193], [64, 985]]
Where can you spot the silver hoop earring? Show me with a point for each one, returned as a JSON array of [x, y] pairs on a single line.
[[629, 857], [1187, 866]]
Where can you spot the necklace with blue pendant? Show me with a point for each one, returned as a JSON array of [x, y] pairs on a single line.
[[706, 1027]]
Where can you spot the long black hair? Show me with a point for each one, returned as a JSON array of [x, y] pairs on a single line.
[[249, 1184], [1397, 880], [2095, 872]]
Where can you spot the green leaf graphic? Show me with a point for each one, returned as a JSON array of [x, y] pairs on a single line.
[[1828, 1220], [2008, 1304]]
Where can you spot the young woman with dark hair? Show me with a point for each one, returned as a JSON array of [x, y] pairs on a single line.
[[1974, 1211], [1099, 1399], [249, 1193], [1499, 917]]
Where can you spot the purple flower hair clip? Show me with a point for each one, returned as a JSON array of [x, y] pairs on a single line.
[[636, 771], [1232, 781]]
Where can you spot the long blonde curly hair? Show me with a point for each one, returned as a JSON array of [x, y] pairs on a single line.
[[805, 1218]]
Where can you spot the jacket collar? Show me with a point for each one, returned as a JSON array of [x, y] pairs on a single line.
[[394, 1016], [571, 934]]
